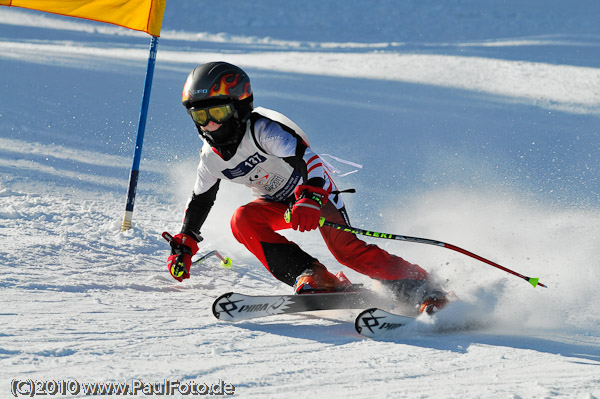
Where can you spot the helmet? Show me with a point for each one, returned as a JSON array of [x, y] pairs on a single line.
[[218, 83]]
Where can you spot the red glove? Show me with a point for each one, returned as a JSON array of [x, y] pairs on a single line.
[[183, 247], [306, 212]]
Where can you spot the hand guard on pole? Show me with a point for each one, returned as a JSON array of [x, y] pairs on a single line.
[[306, 211], [183, 247]]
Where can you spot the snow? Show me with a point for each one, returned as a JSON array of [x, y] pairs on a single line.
[[477, 123]]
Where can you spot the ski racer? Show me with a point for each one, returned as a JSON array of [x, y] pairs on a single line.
[[269, 153]]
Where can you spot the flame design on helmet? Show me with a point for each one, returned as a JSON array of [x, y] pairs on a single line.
[[227, 85], [223, 87], [247, 91], [217, 81], [186, 94]]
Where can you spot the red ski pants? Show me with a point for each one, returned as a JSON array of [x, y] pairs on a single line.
[[255, 225]]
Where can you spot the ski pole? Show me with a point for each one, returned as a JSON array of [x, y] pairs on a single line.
[[534, 281], [322, 222], [225, 261]]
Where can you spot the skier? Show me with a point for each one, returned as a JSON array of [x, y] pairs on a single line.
[[269, 153]]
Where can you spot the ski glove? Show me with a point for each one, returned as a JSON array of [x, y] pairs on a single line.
[[183, 247], [306, 211]]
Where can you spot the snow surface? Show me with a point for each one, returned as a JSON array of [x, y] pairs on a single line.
[[477, 123]]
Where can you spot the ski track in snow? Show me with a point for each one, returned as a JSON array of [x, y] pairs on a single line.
[[82, 300]]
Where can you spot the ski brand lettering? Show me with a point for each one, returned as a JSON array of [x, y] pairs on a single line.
[[390, 326], [230, 307], [260, 307], [366, 233], [244, 167]]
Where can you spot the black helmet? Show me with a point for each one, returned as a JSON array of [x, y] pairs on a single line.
[[218, 83]]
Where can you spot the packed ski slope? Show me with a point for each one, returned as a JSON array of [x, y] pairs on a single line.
[[477, 123]]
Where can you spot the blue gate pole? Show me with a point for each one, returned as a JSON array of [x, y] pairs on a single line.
[[137, 155]]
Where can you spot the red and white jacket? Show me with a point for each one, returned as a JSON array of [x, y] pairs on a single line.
[[273, 158]]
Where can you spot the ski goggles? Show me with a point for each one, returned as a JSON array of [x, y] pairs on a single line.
[[217, 114]]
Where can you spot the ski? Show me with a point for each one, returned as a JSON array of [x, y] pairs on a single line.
[[237, 307], [375, 322]]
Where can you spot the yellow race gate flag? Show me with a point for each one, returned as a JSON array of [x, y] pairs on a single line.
[[141, 15]]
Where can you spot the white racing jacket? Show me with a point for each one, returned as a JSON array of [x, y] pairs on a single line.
[[273, 158]]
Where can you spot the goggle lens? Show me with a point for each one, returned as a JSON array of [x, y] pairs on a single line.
[[217, 114]]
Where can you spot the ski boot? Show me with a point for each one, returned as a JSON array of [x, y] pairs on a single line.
[[423, 294], [317, 279], [432, 301]]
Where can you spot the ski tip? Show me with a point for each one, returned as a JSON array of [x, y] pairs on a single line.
[[217, 309], [359, 323], [535, 282]]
